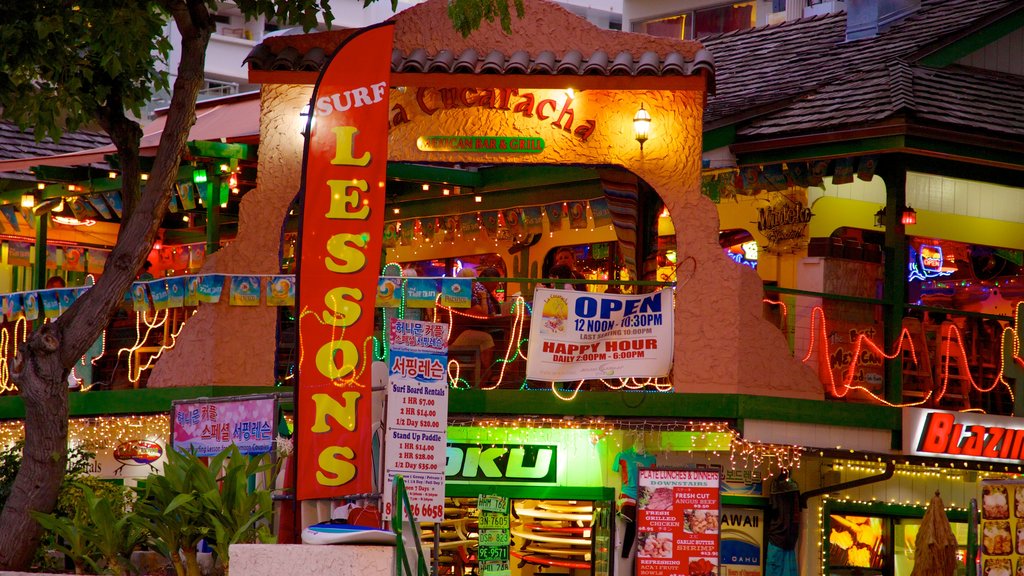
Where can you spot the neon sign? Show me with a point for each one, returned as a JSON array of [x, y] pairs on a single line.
[[928, 263]]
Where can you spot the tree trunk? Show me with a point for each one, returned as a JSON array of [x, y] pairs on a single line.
[[43, 362]]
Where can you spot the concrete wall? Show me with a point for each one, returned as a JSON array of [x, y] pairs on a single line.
[[308, 560]]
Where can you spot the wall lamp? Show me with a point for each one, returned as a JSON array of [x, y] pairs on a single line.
[[642, 125], [907, 217]]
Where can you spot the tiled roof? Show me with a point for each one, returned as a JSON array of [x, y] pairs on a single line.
[[804, 75], [548, 40], [14, 143]]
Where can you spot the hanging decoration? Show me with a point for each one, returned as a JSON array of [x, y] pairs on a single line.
[[470, 225], [843, 171], [554, 214], [390, 234], [600, 212], [533, 220], [11, 215], [245, 291], [577, 215], [513, 220], [96, 260], [281, 290], [19, 254]]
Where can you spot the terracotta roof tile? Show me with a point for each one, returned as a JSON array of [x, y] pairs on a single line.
[[547, 40]]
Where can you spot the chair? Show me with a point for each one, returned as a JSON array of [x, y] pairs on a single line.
[[470, 362], [918, 378]]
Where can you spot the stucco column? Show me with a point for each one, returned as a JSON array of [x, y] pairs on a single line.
[[236, 345]]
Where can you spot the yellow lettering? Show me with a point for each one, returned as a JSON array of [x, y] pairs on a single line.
[[344, 414], [345, 140], [340, 471], [344, 195], [342, 312], [328, 366], [345, 257]]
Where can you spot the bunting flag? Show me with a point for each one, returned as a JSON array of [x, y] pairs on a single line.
[[210, 288], [68, 296], [98, 204], [819, 169], [191, 296], [513, 220], [456, 292], [390, 234], [175, 292], [54, 257], [750, 177], [96, 260], [197, 257], [866, 167], [469, 224], [800, 174], [81, 209], [843, 173], [533, 220], [421, 292], [31, 303], [19, 254], [772, 178], [245, 291], [140, 297], [389, 292], [187, 195], [114, 201], [11, 215], [554, 213], [74, 259], [449, 225], [406, 232], [51, 303], [429, 228], [490, 222], [281, 291], [158, 293], [600, 212], [577, 215], [14, 306]]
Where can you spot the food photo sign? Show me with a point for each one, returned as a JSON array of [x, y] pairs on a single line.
[[1002, 527], [678, 522]]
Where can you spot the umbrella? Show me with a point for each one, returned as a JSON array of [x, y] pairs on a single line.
[[935, 547]]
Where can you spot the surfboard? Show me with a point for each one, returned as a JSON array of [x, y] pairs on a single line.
[[548, 561], [545, 527], [328, 533], [557, 551], [552, 539], [566, 507], [552, 515]]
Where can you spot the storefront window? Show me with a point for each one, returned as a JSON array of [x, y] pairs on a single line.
[[904, 547], [597, 261], [857, 544]]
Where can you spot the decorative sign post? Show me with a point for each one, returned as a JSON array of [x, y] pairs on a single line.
[[342, 219], [678, 522]]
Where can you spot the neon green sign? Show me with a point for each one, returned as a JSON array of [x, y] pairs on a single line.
[[492, 144]]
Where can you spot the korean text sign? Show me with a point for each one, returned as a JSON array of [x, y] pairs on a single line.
[[209, 427]]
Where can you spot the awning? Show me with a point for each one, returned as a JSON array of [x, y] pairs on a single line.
[[232, 119]]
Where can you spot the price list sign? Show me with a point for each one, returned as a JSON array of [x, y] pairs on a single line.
[[495, 538], [417, 415], [677, 522]]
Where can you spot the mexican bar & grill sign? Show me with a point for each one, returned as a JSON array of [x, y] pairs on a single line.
[[340, 245]]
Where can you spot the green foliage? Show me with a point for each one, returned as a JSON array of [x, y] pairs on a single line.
[[63, 62], [192, 500], [99, 533], [466, 15]]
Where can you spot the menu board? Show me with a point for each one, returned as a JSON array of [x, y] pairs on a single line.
[[1002, 527], [678, 522]]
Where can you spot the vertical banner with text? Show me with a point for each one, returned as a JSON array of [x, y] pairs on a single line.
[[339, 262], [677, 523], [417, 416]]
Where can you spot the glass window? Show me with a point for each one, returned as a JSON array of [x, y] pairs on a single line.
[[700, 23], [857, 544]]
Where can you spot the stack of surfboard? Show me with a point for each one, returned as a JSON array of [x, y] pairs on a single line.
[[457, 532], [553, 533]]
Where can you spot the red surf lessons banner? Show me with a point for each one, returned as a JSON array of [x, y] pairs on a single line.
[[339, 262]]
